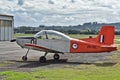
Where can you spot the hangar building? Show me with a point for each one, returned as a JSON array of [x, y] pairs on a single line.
[[6, 27]]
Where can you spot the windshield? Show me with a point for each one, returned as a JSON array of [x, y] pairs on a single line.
[[51, 34]]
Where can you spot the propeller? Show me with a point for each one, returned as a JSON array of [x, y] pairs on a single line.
[[13, 40]]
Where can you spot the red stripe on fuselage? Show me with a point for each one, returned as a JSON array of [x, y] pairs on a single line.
[[34, 46]]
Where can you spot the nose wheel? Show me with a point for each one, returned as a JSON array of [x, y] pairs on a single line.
[[56, 56], [24, 58]]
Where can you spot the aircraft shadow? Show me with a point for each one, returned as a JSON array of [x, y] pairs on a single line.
[[33, 64]]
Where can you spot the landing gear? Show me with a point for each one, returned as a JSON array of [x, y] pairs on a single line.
[[56, 56], [43, 58], [24, 58]]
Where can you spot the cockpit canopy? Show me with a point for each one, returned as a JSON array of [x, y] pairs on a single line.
[[51, 34]]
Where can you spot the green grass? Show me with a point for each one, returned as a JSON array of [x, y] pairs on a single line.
[[81, 72], [79, 36], [5, 63], [19, 35], [2, 64], [117, 36]]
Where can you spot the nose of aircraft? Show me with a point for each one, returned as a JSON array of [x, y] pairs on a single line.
[[21, 41]]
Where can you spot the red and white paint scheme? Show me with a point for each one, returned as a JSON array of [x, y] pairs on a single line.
[[51, 41]]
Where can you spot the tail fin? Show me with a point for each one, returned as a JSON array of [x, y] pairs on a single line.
[[106, 35]]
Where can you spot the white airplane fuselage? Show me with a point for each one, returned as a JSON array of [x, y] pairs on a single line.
[[56, 45]]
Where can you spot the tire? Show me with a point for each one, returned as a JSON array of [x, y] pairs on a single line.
[[24, 58], [56, 57], [42, 59]]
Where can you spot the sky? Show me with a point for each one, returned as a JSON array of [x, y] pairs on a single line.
[[61, 12]]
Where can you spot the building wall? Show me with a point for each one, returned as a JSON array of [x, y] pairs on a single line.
[[6, 28]]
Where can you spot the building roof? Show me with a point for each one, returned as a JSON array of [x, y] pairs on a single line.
[[6, 15]]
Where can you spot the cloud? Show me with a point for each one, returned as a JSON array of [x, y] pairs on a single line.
[[20, 2], [50, 2], [61, 12]]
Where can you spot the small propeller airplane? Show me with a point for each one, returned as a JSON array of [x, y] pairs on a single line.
[[50, 41]]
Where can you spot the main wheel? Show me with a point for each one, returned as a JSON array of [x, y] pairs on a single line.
[[56, 57], [24, 58], [42, 59]]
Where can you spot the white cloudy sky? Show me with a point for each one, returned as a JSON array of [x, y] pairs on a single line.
[[61, 12]]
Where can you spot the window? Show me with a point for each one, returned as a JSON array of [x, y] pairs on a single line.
[[51, 34], [41, 35]]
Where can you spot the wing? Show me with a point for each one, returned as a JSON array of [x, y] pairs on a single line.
[[40, 48]]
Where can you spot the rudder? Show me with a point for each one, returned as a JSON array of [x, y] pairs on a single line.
[[106, 35]]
